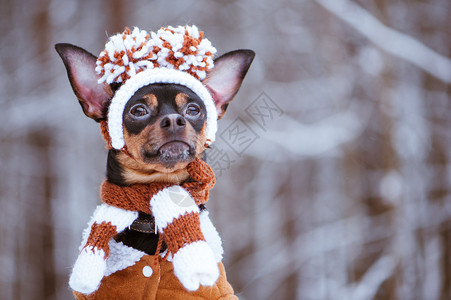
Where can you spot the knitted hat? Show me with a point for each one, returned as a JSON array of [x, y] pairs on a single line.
[[136, 58]]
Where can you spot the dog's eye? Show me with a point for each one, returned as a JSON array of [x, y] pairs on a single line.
[[139, 110], [192, 110]]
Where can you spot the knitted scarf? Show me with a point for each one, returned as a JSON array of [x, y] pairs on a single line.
[[136, 197], [185, 226], [177, 217]]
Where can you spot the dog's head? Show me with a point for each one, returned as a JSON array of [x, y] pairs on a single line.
[[164, 125]]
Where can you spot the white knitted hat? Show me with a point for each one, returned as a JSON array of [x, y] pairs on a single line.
[[171, 55]]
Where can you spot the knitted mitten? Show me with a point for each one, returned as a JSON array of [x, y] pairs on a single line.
[[177, 218], [90, 266]]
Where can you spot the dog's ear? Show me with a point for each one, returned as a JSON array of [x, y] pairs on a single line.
[[225, 79], [80, 66]]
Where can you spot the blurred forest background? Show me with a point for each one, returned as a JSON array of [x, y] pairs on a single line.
[[338, 187]]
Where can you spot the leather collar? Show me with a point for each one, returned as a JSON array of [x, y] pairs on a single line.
[[144, 223]]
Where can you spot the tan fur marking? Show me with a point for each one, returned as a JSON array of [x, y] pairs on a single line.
[[133, 176], [136, 142], [140, 172], [201, 139], [151, 100], [180, 100]]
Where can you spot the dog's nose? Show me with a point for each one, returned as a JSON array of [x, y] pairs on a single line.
[[172, 122]]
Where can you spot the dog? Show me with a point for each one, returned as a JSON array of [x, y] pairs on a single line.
[[164, 130]]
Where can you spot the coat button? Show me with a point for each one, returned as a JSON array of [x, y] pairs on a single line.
[[147, 271]]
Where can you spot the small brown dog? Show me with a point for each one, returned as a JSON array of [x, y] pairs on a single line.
[[157, 97]]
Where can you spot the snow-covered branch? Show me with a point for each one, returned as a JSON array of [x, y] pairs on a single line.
[[379, 272], [390, 40]]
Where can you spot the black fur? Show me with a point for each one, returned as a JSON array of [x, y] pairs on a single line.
[[165, 94], [146, 242], [114, 169]]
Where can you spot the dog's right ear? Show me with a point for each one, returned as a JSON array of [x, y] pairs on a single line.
[[80, 66]]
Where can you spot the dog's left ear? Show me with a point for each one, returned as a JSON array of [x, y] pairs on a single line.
[[225, 79]]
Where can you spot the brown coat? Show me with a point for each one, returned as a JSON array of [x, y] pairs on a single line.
[[134, 283]]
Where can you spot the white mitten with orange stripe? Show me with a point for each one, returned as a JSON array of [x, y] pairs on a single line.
[[90, 266], [177, 218]]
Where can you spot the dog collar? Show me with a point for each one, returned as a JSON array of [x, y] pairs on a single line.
[[145, 223], [177, 55]]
